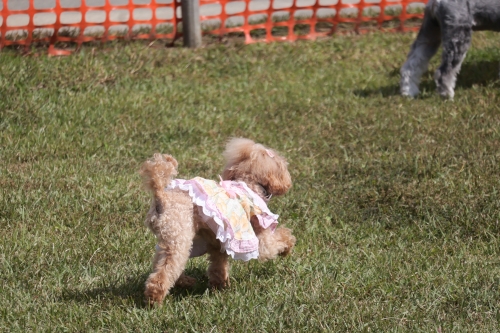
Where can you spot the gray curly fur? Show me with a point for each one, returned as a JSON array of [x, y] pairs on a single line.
[[450, 23]]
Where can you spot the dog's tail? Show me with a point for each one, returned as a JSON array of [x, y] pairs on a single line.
[[157, 173]]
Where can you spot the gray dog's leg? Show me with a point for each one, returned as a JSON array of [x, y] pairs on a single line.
[[456, 42], [422, 50]]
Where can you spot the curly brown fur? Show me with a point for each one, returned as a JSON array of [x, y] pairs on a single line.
[[175, 221]]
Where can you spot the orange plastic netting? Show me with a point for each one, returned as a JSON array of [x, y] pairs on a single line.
[[308, 19], [24, 22], [78, 21]]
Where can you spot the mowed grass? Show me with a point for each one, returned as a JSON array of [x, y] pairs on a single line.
[[395, 201]]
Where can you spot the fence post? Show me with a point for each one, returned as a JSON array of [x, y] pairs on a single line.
[[191, 27]]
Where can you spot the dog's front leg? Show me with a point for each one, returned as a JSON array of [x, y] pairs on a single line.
[[218, 270], [422, 50], [456, 42]]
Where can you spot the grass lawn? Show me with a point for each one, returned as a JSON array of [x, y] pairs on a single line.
[[395, 202]]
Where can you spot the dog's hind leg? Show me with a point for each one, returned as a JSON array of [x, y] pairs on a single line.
[[456, 42], [175, 232], [168, 264], [422, 50]]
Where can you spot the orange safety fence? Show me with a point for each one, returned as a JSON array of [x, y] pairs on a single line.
[[290, 20], [77, 21], [25, 22]]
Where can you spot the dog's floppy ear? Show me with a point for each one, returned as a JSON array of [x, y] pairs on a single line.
[[237, 150], [228, 173]]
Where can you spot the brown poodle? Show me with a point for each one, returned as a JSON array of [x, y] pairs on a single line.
[[230, 218]]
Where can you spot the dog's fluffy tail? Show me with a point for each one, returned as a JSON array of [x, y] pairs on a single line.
[[157, 173]]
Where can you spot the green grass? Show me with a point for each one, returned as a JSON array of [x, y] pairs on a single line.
[[395, 201]]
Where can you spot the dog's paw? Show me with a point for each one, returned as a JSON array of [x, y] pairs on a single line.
[[286, 251], [154, 293], [185, 281], [216, 284], [287, 239]]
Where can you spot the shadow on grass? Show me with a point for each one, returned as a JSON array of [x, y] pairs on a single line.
[[133, 290], [472, 73], [480, 73], [386, 91]]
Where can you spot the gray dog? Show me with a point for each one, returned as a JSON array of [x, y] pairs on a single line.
[[451, 23]]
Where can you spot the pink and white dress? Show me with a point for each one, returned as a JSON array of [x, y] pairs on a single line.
[[227, 207]]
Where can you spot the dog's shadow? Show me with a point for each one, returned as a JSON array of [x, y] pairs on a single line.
[[132, 289], [478, 73], [472, 73]]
